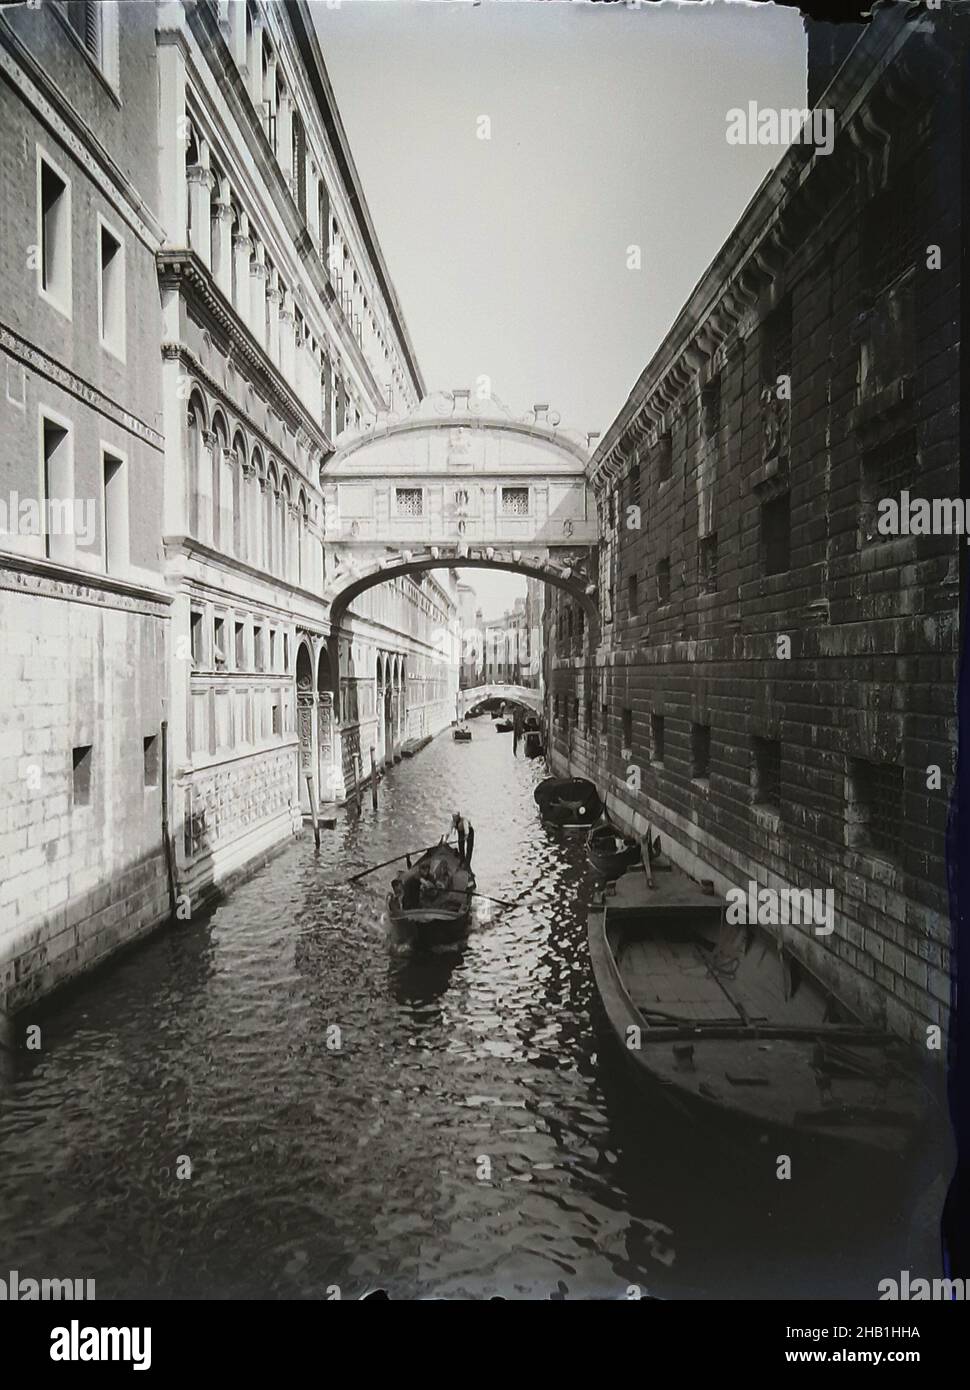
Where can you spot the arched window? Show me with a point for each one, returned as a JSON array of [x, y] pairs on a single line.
[[196, 421], [238, 505], [219, 446], [269, 520]]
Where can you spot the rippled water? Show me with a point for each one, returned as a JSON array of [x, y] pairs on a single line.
[[471, 1135]]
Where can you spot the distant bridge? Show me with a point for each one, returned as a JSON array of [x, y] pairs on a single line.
[[521, 694]]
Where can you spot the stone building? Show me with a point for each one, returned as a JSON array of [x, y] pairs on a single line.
[[774, 690], [195, 313], [85, 617]]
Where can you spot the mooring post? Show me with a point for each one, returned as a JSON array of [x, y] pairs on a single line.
[[373, 778], [358, 780], [313, 810]]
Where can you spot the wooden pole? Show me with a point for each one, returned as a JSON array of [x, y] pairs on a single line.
[[373, 778], [313, 810]]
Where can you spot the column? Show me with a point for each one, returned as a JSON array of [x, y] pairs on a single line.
[[221, 233], [284, 141], [242, 250], [273, 302], [172, 134], [254, 61], [204, 485], [257, 294], [287, 347], [200, 199]]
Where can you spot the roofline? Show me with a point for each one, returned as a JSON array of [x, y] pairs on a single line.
[[451, 422], [308, 43]]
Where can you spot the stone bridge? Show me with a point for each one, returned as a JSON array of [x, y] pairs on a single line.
[[522, 694]]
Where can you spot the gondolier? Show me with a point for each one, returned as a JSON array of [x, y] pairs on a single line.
[[466, 837]]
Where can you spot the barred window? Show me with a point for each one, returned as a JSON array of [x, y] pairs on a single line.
[[700, 747], [633, 480], [409, 500], [889, 234], [776, 534], [889, 467], [632, 592], [663, 581], [515, 501], [708, 564], [777, 342], [767, 772], [877, 797], [665, 457]]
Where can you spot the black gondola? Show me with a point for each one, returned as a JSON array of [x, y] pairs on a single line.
[[462, 735], [610, 852], [433, 916], [569, 802]]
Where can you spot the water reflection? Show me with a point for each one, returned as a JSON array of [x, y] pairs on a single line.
[[453, 1124]]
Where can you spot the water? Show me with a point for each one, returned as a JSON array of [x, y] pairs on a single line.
[[471, 1135]]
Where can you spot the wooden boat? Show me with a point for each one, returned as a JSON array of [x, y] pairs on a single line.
[[414, 745], [568, 801], [732, 1030], [461, 735], [504, 726], [610, 852], [438, 919]]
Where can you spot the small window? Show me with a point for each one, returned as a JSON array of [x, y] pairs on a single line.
[[515, 501], [57, 512], [219, 645], [628, 729], [632, 593], [115, 504], [258, 661], [767, 772], [776, 343], [657, 738], [711, 408], [84, 17], [663, 581], [240, 646], [195, 626], [776, 534], [665, 457], [700, 747], [887, 469], [589, 716], [54, 235], [111, 303], [272, 649], [150, 756], [286, 651], [410, 501], [708, 564], [876, 806], [277, 722], [81, 790], [633, 482], [889, 234]]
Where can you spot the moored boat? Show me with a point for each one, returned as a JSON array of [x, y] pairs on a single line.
[[610, 852], [732, 1030], [503, 726], [532, 745], [431, 904], [569, 802], [462, 735]]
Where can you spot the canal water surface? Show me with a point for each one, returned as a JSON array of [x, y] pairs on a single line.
[[472, 1134]]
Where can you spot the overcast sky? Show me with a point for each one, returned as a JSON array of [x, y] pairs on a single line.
[[607, 131]]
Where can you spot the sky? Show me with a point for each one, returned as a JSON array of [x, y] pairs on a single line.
[[511, 255]]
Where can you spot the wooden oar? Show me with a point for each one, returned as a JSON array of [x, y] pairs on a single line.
[[501, 901], [397, 858]]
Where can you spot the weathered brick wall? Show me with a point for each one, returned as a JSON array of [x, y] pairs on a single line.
[[872, 620]]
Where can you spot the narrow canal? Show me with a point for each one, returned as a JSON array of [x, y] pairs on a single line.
[[472, 1134]]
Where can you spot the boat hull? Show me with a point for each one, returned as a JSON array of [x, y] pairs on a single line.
[[568, 802], [610, 863], [444, 919]]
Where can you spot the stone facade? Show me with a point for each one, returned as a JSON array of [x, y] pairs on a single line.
[[774, 692], [84, 617]]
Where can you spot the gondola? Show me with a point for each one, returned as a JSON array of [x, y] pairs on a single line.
[[438, 919], [610, 852], [734, 1032], [462, 735], [532, 745], [503, 726], [568, 801]]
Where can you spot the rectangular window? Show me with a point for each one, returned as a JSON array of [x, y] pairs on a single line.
[[240, 646], [707, 561], [195, 627], [604, 720], [767, 772], [115, 505], [286, 651], [665, 457], [589, 716], [272, 649], [887, 469], [57, 489], [54, 235], [219, 644], [81, 787], [409, 501], [776, 534], [277, 723], [84, 17], [150, 758], [515, 501], [111, 301], [632, 594], [657, 738], [700, 747], [776, 343], [628, 729], [889, 234], [663, 581], [876, 806], [711, 408], [633, 482], [258, 662]]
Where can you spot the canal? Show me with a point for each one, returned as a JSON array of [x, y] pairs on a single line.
[[355, 1119]]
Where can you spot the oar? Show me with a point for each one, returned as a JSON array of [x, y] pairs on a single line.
[[501, 901], [397, 858]]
